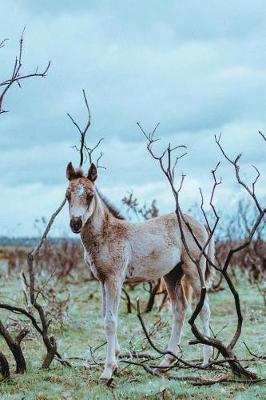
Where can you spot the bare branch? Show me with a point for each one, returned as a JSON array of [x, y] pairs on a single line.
[[16, 76], [234, 163], [82, 132], [3, 42], [15, 347], [49, 342], [4, 366], [262, 135]]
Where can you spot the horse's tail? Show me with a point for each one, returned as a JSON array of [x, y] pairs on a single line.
[[210, 270]]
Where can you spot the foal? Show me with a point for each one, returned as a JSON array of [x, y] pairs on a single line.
[[117, 251]]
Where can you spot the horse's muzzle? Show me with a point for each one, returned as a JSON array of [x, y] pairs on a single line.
[[76, 224]]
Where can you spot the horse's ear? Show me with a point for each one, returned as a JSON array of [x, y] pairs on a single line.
[[92, 174], [70, 171]]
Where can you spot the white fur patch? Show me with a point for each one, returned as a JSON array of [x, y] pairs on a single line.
[[80, 190]]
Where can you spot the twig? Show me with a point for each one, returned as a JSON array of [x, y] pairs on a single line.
[[129, 305], [262, 135], [83, 149], [16, 76], [253, 354]]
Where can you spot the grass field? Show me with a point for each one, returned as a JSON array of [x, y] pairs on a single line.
[[81, 327]]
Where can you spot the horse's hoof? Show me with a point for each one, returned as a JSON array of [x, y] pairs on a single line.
[[205, 364], [166, 364], [161, 370], [104, 381]]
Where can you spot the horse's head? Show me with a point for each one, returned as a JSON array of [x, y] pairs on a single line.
[[80, 195]]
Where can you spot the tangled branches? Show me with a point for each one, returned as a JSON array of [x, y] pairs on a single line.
[[41, 324], [168, 165]]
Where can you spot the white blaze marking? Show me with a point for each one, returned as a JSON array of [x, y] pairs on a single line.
[[80, 190]]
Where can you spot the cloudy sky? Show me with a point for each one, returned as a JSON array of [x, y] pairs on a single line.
[[198, 68]]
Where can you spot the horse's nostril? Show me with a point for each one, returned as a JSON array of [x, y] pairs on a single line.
[[75, 224]]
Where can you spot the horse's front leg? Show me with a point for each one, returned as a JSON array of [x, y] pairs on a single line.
[[112, 291], [117, 347], [103, 300]]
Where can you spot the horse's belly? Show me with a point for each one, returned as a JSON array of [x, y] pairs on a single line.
[[152, 266]]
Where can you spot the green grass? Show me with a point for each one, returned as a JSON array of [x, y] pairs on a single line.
[[82, 326]]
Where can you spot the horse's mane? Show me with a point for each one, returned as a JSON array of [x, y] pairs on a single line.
[[113, 210]]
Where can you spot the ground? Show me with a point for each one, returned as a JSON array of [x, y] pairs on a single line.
[[81, 328]]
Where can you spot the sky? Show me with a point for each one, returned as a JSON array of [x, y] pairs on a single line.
[[198, 68]]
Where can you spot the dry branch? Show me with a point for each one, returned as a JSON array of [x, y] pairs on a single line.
[[154, 291], [262, 135], [14, 345], [16, 75], [83, 149], [259, 357], [49, 341], [128, 301], [4, 367]]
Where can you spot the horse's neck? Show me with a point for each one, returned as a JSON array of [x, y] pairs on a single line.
[[95, 225]]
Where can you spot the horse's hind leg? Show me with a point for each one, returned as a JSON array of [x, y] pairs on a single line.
[[191, 272], [179, 305]]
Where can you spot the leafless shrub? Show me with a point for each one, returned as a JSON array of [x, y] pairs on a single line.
[[61, 258], [14, 344], [252, 259], [143, 211], [167, 165]]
